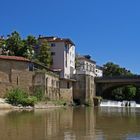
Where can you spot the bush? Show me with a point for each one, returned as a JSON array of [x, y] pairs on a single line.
[[18, 96], [31, 100], [15, 96]]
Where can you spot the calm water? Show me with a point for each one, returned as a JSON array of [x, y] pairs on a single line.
[[71, 124]]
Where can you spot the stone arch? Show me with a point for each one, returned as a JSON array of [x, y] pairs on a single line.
[[103, 88]]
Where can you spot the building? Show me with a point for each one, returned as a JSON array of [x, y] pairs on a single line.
[[86, 71], [99, 71], [14, 72], [63, 54], [85, 65]]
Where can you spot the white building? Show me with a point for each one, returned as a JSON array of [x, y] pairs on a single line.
[[63, 54], [99, 71], [84, 65]]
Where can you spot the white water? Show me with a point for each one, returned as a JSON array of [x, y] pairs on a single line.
[[108, 103]]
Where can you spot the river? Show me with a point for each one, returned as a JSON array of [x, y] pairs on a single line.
[[102, 123]]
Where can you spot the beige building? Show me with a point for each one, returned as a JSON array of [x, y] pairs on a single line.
[[14, 72], [63, 54], [22, 73]]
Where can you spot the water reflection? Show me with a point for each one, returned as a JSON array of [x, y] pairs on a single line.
[[71, 124]]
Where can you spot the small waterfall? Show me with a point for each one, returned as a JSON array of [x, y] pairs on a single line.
[[108, 103]]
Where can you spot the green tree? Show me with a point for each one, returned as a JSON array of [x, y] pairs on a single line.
[[111, 69], [122, 93], [29, 45], [129, 92], [44, 55], [14, 44]]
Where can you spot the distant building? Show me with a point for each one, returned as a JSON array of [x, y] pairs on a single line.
[[63, 54], [99, 71]]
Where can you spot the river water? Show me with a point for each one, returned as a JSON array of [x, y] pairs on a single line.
[[102, 123]]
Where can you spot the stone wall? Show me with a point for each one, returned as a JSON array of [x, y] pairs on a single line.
[[84, 89], [15, 74], [49, 83], [66, 90]]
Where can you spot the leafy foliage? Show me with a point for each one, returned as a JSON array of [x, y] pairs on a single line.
[[14, 45], [18, 96], [128, 92], [45, 53], [110, 69]]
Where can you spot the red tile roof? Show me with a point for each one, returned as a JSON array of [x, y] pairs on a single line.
[[16, 58]]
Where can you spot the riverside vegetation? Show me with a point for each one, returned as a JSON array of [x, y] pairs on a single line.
[[19, 97], [129, 92]]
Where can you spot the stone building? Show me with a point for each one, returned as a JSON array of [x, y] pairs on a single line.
[[29, 76], [48, 82], [84, 88], [14, 72]]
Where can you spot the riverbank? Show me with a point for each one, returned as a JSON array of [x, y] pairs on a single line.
[[40, 105]]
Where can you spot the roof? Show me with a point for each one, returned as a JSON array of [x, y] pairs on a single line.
[[57, 39], [79, 57], [16, 58]]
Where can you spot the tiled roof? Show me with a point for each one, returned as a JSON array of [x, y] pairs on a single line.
[[16, 58]]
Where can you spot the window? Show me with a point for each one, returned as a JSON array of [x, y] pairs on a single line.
[[52, 53], [68, 85], [31, 67], [86, 66], [52, 44], [17, 80]]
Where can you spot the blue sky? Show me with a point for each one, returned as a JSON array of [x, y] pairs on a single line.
[[108, 30]]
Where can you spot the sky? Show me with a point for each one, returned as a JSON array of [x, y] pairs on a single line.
[[108, 30]]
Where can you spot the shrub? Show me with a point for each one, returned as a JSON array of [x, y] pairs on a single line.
[[18, 96], [15, 96], [31, 100]]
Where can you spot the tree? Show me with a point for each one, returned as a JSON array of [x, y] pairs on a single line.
[[111, 69], [14, 44], [121, 93], [44, 55], [29, 45]]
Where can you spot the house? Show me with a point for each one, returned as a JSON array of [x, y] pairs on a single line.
[[63, 54], [19, 72], [99, 71], [85, 65], [14, 72]]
